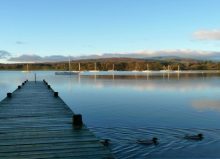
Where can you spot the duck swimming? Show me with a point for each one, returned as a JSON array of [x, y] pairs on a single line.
[[153, 141], [105, 142], [194, 137]]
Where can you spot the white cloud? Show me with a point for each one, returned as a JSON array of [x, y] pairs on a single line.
[[207, 34], [20, 42], [183, 53]]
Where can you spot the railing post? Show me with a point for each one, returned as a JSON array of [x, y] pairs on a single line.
[[9, 95], [35, 77], [45, 82], [77, 120], [56, 94]]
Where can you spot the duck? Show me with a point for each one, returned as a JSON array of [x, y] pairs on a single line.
[[194, 137], [153, 141], [105, 142]]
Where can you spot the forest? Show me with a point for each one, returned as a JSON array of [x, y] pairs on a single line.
[[119, 64]]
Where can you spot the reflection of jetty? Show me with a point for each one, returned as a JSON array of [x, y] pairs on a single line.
[[36, 123]]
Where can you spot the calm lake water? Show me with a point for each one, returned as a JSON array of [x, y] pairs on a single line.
[[125, 107]]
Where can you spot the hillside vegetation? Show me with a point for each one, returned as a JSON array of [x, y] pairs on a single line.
[[120, 64]]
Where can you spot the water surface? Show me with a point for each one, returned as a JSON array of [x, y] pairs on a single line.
[[125, 107]]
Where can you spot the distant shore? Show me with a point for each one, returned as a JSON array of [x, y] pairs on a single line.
[[120, 64], [129, 72]]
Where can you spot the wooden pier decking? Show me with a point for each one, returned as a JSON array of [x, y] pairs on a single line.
[[35, 124]]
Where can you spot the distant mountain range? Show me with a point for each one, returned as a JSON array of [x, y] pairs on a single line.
[[153, 55], [213, 56]]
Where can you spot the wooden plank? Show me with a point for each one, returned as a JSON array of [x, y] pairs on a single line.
[[35, 124]]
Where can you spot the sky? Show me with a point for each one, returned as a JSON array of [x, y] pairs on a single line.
[[85, 27]]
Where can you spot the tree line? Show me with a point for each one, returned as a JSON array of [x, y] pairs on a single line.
[[119, 64]]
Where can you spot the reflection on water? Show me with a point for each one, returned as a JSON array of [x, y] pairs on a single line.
[[126, 107], [202, 104], [171, 142], [142, 83]]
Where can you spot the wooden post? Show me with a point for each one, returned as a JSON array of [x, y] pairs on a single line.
[[45, 82], [77, 120], [48, 86], [23, 84], [56, 94], [19, 87], [9, 95], [35, 77]]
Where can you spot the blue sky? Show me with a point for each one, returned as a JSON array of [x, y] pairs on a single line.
[[83, 27]]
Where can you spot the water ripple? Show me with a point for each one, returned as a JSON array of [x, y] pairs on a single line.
[[171, 142]]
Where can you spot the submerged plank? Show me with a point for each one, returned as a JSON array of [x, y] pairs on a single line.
[[35, 124]]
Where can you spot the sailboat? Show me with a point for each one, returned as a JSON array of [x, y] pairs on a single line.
[[178, 70], [165, 70], [148, 70], [94, 69], [135, 68], [27, 69], [67, 72], [113, 68], [79, 69]]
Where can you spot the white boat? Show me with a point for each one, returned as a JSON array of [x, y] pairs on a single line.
[[67, 72], [94, 70], [79, 68], [135, 69], [113, 68], [27, 70], [148, 70], [166, 70], [178, 71], [79, 71]]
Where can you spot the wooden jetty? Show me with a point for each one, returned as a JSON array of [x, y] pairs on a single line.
[[36, 123]]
